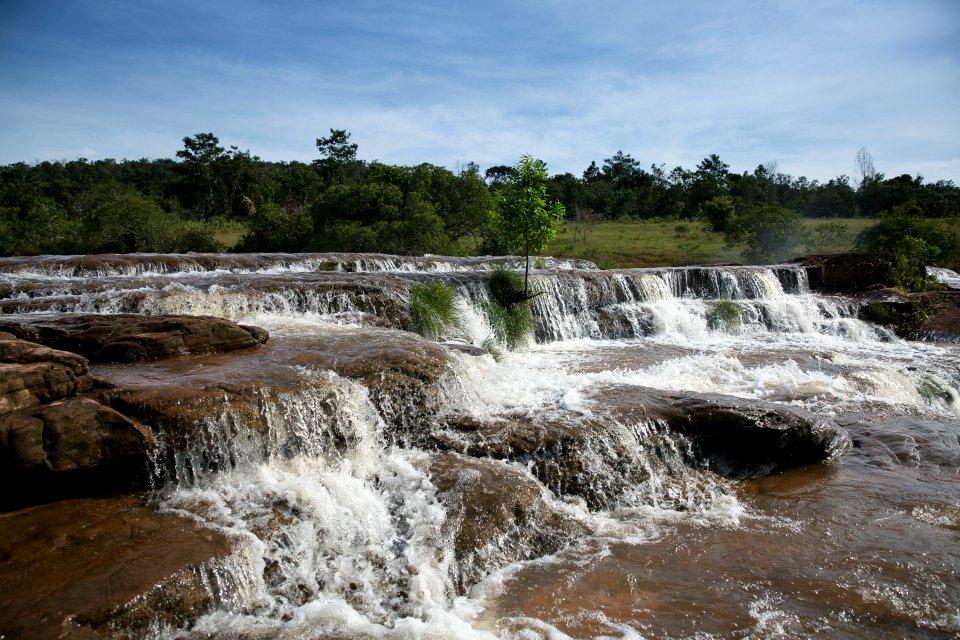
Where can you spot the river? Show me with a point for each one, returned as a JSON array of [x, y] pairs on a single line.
[[350, 541]]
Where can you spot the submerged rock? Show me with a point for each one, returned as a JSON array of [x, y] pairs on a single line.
[[133, 337], [104, 568]]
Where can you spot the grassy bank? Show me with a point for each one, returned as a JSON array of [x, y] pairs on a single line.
[[652, 243]]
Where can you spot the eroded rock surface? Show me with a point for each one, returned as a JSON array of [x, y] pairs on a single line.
[[497, 515], [596, 460], [103, 568], [133, 337], [55, 443], [847, 272]]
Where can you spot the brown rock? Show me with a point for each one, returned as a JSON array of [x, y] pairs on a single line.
[[70, 447], [847, 272], [587, 458], [27, 385], [103, 568], [133, 338], [179, 397], [496, 515]]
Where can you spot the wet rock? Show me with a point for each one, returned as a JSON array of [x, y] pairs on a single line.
[[846, 272], [104, 568], [740, 438], [70, 447], [942, 321], [31, 374], [210, 407], [134, 338], [497, 515], [595, 460], [930, 315]]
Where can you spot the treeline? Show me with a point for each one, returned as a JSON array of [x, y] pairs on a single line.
[[620, 188], [340, 202]]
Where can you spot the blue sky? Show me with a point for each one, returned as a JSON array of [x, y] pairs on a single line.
[[803, 84]]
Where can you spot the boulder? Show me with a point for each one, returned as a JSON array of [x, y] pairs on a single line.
[[70, 447], [497, 515], [31, 374], [135, 338], [111, 567], [846, 272], [739, 438]]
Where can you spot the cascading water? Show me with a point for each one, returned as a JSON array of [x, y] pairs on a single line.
[[614, 524]]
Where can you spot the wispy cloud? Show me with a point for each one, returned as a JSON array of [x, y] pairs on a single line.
[[802, 83]]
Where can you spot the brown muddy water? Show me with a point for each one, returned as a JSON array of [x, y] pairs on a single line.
[[341, 523]]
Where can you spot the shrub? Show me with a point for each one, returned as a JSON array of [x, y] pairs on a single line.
[[433, 309], [914, 243]]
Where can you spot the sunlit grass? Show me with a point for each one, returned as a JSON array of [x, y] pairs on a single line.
[[657, 243]]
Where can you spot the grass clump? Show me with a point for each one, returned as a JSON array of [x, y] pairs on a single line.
[[724, 315], [508, 310], [433, 309]]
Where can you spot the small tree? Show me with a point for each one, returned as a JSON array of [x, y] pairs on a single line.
[[523, 215]]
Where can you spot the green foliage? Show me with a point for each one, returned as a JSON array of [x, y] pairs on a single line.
[[273, 227], [45, 227], [910, 257], [50, 206], [523, 215], [905, 319], [433, 309], [718, 212], [769, 234], [724, 315], [508, 311], [914, 242]]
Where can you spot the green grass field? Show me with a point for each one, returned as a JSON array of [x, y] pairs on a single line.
[[657, 243], [229, 232]]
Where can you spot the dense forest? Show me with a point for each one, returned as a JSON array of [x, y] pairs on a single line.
[[340, 202]]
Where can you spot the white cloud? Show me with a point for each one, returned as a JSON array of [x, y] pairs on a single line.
[[805, 84]]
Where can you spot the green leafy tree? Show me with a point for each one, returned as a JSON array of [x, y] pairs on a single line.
[[523, 213], [199, 189], [770, 233], [718, 212], [339, 157]]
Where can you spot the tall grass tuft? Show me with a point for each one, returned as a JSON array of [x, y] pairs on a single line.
[[433, 309], [508, 310], [724, 315]]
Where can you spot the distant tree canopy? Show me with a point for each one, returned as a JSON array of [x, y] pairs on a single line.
[[342, 202]]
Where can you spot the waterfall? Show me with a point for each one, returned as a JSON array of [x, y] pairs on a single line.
[[376, 484]]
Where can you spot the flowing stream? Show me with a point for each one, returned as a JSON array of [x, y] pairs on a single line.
[[341, 524]]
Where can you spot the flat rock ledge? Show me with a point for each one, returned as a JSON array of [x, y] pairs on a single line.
[[135, 338], [104, 568]]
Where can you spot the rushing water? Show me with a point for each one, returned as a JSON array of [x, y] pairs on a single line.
[[350, 540]]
